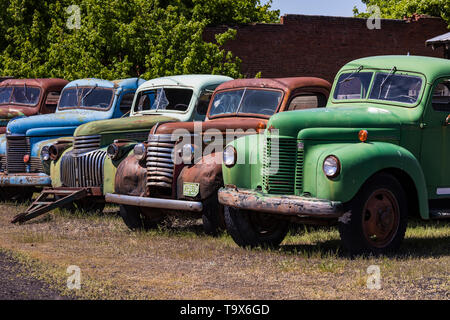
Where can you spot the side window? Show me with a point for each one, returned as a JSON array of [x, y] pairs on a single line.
[[307, 101], [441, 96], [203, 103], [52, 101], [126, 102]]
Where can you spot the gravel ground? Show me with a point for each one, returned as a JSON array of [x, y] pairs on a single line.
[[15, 284]]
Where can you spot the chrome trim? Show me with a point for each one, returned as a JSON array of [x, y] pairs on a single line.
[[155, 203]]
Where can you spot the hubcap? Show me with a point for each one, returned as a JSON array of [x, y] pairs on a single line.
[[381, 218]]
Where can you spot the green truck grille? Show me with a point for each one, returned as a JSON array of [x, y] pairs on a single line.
[[282, 167]]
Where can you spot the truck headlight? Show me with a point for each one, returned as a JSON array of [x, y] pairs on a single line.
[[113, 151], [140, 151], [45, 154], [230, 156], [332, 167]]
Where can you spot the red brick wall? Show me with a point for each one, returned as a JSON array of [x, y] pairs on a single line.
[[318, 45]]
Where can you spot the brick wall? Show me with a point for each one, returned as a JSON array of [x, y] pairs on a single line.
[[318, 46]]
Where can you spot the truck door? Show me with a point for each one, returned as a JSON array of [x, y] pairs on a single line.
[[435, 155]]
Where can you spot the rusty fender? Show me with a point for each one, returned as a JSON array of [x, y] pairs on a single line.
[[207, 173], [131, 177], [281, 205]]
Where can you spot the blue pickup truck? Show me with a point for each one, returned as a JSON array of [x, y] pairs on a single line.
[[22, 171]]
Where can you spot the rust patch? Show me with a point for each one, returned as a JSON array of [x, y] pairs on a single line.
[[131, 177]]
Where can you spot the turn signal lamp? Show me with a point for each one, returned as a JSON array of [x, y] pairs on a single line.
[[363, 135], [26, 158], [261, 127]]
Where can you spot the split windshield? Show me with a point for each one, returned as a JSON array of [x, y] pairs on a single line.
[[386, 86], [164, 99], [246, 101], [86, 98], [22, 95]]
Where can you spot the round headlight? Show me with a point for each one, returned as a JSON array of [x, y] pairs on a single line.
[[113, 151], [140, 151], [230, 156], [45, 154], [187, 153], [332, 167]]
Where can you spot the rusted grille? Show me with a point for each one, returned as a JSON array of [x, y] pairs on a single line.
[[86, 143], [279, 163], [299, 173], [83, 170], [160, 165], [137, 136], [2, 163], [36, 165], [16, 148]]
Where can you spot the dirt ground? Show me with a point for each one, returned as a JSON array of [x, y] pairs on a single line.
[[180, 262]]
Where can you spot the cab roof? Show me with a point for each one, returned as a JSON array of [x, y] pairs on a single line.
[[431, 67], [42, 83], [190, 80], [285, 84], [125, 83]]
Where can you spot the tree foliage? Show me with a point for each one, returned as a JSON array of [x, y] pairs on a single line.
[[398, 9], [117, 39]]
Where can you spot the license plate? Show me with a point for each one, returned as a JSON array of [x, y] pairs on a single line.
[[191, 189]]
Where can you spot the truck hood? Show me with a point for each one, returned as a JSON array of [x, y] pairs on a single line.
[[9, 112], [69, 120], [223, 124], [135, 123], [291, 123]]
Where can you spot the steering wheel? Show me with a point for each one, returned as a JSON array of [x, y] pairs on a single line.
[[180, 107], [411, 99], [267, 111]]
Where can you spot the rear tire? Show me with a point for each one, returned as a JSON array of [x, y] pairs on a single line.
[[19, 195], [378, 219], [253, 229]]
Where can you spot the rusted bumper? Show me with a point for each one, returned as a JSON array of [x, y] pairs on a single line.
[[154, 203], [282, 205], [25, 179]]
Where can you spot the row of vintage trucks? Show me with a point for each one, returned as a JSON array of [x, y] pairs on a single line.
[[251, 155]]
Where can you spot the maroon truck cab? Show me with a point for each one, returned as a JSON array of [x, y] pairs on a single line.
[[28, 97]]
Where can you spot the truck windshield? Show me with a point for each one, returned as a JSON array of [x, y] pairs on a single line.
[[246, 101], [386, 86], [164, 99], [22, 95], [86, 98]]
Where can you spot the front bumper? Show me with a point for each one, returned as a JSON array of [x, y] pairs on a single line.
[[25, 180], [168, 204], [282, 205]]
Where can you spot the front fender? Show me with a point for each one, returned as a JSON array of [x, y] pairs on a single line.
[[130, 177], [361, 161], [207, 173]]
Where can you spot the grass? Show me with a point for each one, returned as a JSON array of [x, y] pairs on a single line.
[[179, 262]]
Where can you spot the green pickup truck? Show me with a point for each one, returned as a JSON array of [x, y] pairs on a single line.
[[378, 154]]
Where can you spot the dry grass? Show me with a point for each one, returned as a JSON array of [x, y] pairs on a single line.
[[179, 262]]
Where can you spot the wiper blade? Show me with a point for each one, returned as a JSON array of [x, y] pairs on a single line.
[[89, 92], [25, 89], [240, 103], [352, 74], [394, 70]]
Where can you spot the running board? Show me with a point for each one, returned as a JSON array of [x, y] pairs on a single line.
[[49, 200], [439, 214]]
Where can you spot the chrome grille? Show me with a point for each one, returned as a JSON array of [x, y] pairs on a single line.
[[299, 173], [279, 164], [83, 170], [36, 165], [86, 143], [160, 165], [16, 148]]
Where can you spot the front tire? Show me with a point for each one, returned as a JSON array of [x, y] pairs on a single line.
[[378, 218], [136, 219], [253, 229], [212, 216]]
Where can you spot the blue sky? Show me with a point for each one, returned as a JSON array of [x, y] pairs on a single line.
[[342, 8]]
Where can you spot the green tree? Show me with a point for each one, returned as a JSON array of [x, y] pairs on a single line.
[[118, 39], [398, 9]]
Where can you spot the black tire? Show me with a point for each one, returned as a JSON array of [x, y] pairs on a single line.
[[212, 216], [18, 195], [378, 218], [246, 231], [135, 220]]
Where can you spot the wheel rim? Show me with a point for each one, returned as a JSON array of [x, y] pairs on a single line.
[[381, 218]]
